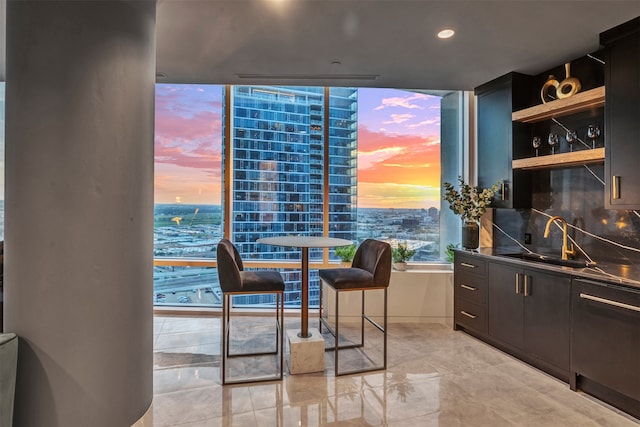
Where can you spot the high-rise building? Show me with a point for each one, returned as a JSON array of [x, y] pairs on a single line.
[[278, 166]]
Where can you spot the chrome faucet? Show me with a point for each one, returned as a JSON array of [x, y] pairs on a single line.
[[565, 248]]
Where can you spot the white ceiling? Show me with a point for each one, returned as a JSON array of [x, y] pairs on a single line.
[[377, 43], [388, 43]]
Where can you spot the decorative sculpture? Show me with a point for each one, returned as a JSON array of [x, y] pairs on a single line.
[[550, 83], [569, 86], [564, 89]]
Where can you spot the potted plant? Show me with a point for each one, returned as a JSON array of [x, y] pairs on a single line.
[[450, 254], [401, 255], [470, 203], [346, 254]]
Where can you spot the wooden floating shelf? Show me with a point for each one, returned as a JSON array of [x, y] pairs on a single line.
[[581, 101], [574, 158]]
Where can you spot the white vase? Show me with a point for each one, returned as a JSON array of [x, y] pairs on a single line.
[[400, 266]]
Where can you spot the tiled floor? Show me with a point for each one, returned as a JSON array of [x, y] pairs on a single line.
[[435, 377]]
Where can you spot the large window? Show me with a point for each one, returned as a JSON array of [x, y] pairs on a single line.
[[346, 162], [399, 169], [188, 191]]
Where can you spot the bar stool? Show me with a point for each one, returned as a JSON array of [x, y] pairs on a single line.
[[370, 270], [235, 281]]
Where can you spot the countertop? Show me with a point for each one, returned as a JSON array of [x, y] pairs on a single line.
[[620, 274]]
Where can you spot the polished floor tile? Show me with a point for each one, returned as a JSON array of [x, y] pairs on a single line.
[[435, 377]]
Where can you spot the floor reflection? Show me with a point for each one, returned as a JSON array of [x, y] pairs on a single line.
[[435, 377]]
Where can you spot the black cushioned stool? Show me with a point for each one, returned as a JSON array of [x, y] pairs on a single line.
[[235, 281], [370, 270]]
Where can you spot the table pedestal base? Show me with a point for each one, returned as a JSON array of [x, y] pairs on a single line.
[[306, 354]]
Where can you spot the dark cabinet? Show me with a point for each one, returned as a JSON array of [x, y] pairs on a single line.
[[470, 284], [529, 311], [606, 337], [496, 101], [622, 116], [507, 305], [580, 330], [547, 317]]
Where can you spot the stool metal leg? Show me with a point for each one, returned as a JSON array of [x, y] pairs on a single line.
[[226, 341], [334, 330]]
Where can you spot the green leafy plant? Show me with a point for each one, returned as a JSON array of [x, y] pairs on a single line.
[[402, 253], [471, 202], [346, 253], [449, 251]]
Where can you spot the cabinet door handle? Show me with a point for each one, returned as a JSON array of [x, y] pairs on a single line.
[[472, 316], [464, 264], [517, 283], [615, 186], [469, 288], [610, 302], [527, 290]]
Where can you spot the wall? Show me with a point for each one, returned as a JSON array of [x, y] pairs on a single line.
[[413, 296], [577, 194], [78, 261]]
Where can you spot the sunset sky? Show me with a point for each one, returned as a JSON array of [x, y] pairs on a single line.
[[188, 144], [398, 147]]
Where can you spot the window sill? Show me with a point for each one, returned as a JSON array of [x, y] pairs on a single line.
[[444, 267]]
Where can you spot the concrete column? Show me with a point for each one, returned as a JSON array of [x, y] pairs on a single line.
[[79, 209]]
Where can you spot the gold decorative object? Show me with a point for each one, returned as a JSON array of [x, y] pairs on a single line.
[[544, 92], [569, 86]]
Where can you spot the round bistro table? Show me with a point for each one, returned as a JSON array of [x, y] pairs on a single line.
[[304, 242]]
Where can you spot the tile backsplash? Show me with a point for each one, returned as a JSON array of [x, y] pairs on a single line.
[[576, 194]]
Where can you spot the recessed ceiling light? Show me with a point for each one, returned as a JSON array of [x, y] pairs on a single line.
[[446, 33]]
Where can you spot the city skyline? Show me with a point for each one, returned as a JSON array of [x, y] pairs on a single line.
[[398, 147]]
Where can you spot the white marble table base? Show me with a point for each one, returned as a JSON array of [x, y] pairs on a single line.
[[305, 355]]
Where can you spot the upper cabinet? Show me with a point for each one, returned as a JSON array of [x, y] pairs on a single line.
[[622, 116], [522, 140], [496, 132]]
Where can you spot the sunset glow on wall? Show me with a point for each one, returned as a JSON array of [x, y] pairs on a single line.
[[398, 147]]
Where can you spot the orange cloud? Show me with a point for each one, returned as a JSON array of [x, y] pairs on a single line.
[[400, 159]]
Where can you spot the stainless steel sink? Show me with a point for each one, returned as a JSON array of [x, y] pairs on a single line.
[[550, 259]]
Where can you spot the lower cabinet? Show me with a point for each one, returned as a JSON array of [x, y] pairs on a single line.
[[605, 357], [470, 284], [524, 311], [506, 305], [580, 330], [529, 312]]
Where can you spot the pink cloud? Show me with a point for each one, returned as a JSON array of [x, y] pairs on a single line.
[[399, 118], [188, 143], [403, 102], [188, 127]]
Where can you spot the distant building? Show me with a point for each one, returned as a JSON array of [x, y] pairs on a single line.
[[278, 164], [433, 213], [410, 223]]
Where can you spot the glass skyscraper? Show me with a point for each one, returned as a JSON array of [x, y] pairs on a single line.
[[278, 137]]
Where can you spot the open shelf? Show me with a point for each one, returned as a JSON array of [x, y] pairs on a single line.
[[581, 101], [574, 158]]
